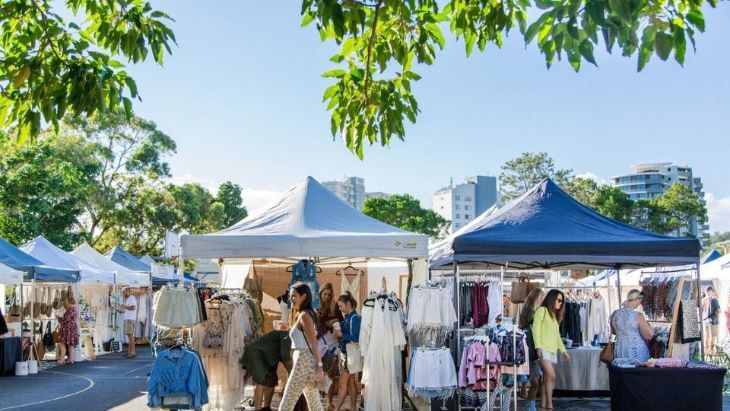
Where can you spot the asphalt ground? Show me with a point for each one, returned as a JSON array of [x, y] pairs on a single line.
[[111, 381]]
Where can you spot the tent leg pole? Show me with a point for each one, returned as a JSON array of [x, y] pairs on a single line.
[[618, 285], [410, 280], [32, 321], [608, 292], [457, 285], [699, 307]]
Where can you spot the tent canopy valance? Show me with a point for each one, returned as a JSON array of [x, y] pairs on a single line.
[[124, 275], [547, 228], [10, 275], [33, 268], [44, 250], [307, 221]]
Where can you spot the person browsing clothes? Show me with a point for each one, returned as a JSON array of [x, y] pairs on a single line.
[[129, 310]]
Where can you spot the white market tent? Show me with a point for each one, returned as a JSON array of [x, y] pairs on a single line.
[[10, 275], [307, 221], [124, 275], [49, 254]]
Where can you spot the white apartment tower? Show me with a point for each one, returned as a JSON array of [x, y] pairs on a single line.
[[461, 203], [350, 189], [650, 180]]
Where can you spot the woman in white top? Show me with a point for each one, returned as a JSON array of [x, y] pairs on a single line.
[[307, 374]]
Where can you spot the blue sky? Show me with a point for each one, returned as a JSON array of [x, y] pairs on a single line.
[[242, 96]]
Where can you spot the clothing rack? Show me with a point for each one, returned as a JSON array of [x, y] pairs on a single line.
[[457, 275]]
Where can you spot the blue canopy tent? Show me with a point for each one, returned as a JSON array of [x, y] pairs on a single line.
[[124, 258], [34, 269], [546, 228], [711, 256]]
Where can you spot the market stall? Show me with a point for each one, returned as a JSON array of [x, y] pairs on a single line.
[[545, 228], [34, 271], [143, 294], [93, 286], [310, 227], [10, 342]]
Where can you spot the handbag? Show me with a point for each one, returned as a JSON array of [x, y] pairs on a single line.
[[47, 339], [57, 302], [606, 355], [520, 289], [57, 334]]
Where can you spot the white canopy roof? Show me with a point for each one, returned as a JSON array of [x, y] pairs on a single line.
[[124, 275], [49, 254], [9, 275], [307, 221]]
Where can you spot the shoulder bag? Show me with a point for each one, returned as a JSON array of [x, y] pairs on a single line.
[[48, 341], [606, 355]]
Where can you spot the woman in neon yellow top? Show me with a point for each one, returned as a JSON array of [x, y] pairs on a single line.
[[546, 336]]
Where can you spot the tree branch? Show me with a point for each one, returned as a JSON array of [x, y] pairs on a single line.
[[370, 50]]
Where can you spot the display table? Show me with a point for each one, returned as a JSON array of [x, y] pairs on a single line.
[[10, 352], [666, 389], [584, 373]]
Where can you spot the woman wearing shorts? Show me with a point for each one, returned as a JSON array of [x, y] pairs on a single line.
[[546, 336]]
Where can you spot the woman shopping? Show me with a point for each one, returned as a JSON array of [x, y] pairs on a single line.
[[631, 329], [350, 359], [69, 332], [546, 336], [527, 315], [307, 373], [327, 317]]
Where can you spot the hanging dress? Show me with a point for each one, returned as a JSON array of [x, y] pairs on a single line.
[[352, 286]]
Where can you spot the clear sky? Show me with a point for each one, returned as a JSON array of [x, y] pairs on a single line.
[[242, 96]]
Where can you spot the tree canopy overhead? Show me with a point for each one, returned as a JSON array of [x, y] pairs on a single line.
[[51, 66], [381, 41]]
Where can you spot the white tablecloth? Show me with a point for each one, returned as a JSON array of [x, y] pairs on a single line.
[[584, 373]]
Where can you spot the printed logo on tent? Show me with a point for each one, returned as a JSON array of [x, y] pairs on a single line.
[[406, 245]]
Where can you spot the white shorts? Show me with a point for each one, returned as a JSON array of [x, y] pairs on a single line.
[[176, 307], [548, 356], [432, 373]]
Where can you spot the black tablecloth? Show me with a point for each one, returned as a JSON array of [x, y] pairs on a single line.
[[666, 389], [10, 352]]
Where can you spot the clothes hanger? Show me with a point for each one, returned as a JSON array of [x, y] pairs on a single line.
[[343, 271]]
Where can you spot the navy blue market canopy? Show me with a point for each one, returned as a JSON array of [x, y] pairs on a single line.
[[546, 228], [14, 257], [124, 258]]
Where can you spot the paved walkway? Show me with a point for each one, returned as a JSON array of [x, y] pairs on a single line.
[[112, 382], [109, 382]]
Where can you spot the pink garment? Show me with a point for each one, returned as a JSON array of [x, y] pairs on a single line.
[[669, 363], [494, 370], [473, 369]]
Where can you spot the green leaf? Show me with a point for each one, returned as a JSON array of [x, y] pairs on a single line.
[[622, 9], [308, 17], [132, 85], [647, 47], [127, 107], [586, 50], [663, 44], [680, 44], [545, 19], [21, 76], [337, 73], [697, 19]]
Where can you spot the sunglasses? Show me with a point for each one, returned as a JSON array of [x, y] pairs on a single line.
[[560, 300]]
